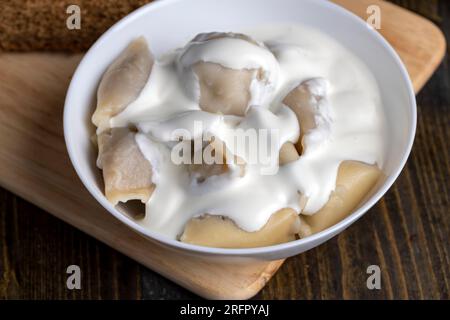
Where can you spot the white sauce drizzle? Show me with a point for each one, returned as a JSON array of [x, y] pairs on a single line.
[[350, 126]]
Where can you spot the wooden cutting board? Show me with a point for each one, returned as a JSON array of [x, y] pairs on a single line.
[[34, 163]]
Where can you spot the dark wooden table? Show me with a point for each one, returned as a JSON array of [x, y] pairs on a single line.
[[407, 233]]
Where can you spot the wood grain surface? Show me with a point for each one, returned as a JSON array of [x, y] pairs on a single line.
[[406, 233], [34, 164]]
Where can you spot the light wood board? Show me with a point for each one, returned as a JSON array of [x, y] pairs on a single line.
[[34, 163]]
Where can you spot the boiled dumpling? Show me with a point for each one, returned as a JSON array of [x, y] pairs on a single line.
[[127, 174], [122, 82], [220, 232], [221, 161], [354, 181], [308, 101], [288, 153], [223, 89]]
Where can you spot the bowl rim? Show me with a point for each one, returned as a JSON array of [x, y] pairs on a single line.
[[317, 237]]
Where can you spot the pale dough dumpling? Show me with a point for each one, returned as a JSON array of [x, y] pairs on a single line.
[[305, 101], [222, 89], [216, 231], [126, 172], [203, 171], [355, 179], [288, 153], [122, 82], [219, 163]]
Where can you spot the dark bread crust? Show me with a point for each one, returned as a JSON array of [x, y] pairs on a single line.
[[27, 25]]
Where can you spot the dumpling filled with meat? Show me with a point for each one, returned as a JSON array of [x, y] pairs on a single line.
[[122, 82], [224, 85], [220, 232], [127, 174]]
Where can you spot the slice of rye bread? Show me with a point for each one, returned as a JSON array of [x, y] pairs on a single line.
[[27, 25]]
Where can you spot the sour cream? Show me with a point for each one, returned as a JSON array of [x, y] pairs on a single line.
[[350, 126]]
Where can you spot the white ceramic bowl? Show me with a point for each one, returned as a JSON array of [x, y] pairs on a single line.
[[170, 23]]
